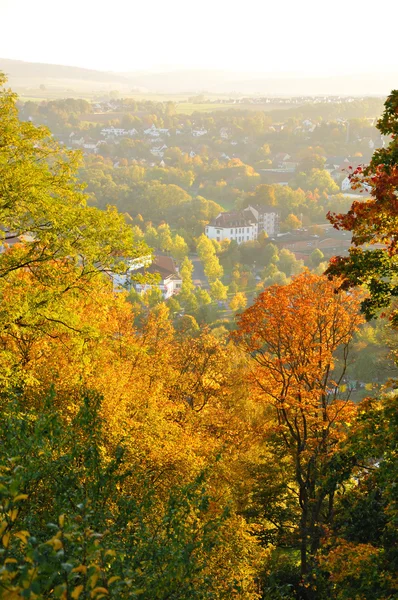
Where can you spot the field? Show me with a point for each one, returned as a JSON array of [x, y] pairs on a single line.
[[183, 106]]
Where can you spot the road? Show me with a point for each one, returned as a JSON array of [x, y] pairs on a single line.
[[198, 276]]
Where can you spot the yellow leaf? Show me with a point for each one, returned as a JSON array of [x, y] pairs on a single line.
[[3, 527], [99, 590], [80, 569], [55, 543], [61, 520], [20, 497], [22, 535], [6, 539], [14, 514], [77, 591], [113, 579]]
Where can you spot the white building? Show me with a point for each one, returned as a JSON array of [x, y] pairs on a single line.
[[245, 225]]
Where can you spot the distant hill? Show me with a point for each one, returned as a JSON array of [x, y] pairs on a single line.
[[25, 75]]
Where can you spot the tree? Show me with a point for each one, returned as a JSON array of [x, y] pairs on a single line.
[[186, 271], [165, 240], [41, 199], [238, 302], [291, 222], [288, 263], [180, 248], [362, 555], [292, 334], [151, 237], [218, 290], [202, 296], [207, 254], [264, 194], [374, 222], [316, 257], [269, 255]]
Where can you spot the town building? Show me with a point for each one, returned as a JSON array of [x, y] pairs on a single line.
[[244, 225]]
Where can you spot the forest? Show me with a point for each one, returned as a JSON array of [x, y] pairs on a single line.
[[152, 453]]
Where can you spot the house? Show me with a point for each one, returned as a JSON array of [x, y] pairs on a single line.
[[169, 279], [225, 133], [199, 132], [152, 131], [159, 151], [346, 184], [234, 225], [267, 217], [244, 225], [110, 132]]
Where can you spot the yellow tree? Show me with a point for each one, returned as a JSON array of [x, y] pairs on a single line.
[[298, 338]]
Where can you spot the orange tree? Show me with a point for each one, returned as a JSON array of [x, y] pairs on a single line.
[[298, 338]]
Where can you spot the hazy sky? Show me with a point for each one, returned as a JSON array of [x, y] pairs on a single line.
[[307, 36]]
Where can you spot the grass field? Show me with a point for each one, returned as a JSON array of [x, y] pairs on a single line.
[[183, 106]]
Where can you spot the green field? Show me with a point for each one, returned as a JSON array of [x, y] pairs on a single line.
[[183, 106]]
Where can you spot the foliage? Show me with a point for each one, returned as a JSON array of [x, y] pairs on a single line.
[[292, 334], [374, 222], [71, 527]]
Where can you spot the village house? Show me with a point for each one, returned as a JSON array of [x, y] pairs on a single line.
[[199, 132], [159, 151], [169, 280]]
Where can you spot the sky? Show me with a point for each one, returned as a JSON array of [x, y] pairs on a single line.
[[303, 37]]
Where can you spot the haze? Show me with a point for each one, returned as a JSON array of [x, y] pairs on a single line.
[[301, 38]]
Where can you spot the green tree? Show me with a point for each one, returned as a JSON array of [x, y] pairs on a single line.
[[151, 237], [165, 240], [316, 257], [186, 271], [289, 264], [269, 255], [218, 290], [180, 248]]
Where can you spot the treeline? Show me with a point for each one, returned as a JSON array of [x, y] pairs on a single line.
[[148, 458]]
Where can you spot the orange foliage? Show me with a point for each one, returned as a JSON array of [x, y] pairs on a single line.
[[298, 337]]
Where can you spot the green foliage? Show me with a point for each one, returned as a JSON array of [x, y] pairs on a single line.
[[71, 523]]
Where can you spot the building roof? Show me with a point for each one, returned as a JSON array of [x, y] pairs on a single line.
[[265, 209], [232, 219], [162, 265]]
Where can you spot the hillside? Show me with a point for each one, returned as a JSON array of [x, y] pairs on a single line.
[[24, 76]]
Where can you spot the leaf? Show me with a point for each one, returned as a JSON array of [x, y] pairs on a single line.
[[99, 590], [20, 497], [77, 591]]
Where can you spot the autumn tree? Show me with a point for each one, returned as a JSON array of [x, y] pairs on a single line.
[[40, 200], [293, 334], [207, 254], [238, 302], [373, 257], [218, 290]]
